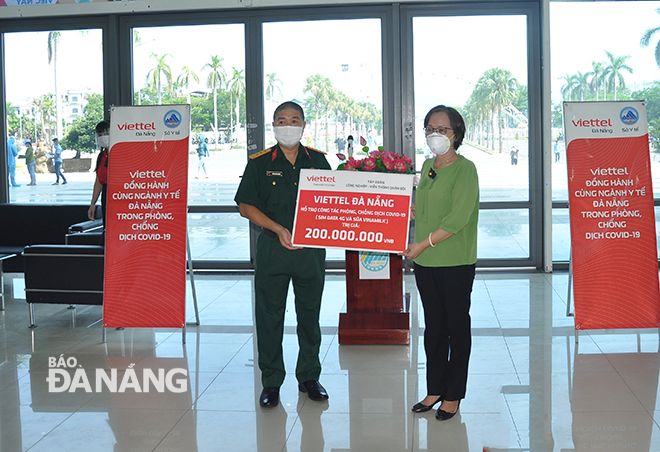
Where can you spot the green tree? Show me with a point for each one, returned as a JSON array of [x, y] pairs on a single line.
[[648, 35], [273, 85], [81, 136], [318, 86], [596, 77], [157, 73], [498, 88], [45, 111], [53, 43], [614, 71], [236, 87], [216, 80], [567, 88], [183, 80]]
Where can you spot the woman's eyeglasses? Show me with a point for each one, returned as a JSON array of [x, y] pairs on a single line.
[[440, 130]]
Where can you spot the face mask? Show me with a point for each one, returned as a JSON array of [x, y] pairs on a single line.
[[104, 141], [438, 143], [288, 136]]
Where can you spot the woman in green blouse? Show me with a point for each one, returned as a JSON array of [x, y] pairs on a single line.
[[446, 211]]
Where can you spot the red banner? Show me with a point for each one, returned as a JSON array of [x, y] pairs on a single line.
[[145, 257], [613, 238], [353, 210]]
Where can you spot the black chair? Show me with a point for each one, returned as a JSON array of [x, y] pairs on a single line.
[[63, 274]]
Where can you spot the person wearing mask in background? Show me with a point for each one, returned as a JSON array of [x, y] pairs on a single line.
[[12, 153], [446, 212], [30, 161], [202, 153], [267, 197], [57, 161], [101, 180]]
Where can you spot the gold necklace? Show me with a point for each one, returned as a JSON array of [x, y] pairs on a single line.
[[443, 164]]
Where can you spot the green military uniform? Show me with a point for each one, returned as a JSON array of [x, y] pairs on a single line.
[[270, 183]]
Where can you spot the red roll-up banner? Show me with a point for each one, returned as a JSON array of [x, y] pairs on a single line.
[[145, 245], [613, 238]]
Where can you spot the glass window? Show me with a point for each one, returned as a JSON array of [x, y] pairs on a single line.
[[338, 81], [39, 108], [204, 67], [503, 234], [487, 85], [219, 236], [619, 63]]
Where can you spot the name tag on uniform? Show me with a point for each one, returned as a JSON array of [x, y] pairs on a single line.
[[274, 173]]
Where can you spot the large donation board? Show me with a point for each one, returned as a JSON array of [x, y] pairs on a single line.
[[613, 238], [145, 257], [353, 210]]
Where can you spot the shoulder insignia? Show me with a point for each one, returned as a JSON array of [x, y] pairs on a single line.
[[315, 150], [260, 153]]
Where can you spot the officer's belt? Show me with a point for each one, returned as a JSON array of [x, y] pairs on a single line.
[[269, 233]]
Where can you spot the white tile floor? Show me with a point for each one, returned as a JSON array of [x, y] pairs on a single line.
[[530, 387]]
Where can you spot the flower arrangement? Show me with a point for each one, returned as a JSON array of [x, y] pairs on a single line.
[[379, 162]]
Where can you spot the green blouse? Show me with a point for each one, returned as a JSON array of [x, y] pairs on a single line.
[[449, 201]]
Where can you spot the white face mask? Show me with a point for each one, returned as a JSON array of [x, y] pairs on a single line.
[[288, 136], [438, 143], [104, 141]]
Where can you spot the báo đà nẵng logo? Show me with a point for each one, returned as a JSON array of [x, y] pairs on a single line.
[[66, 375], [629, 116], [172, 119]]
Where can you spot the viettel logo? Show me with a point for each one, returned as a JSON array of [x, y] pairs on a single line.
[[172, 119], [629, 115]]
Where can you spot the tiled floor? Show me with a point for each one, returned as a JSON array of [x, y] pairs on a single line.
[[530, 387]]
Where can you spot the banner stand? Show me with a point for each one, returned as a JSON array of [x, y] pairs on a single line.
[[192, 279], [613, 273]]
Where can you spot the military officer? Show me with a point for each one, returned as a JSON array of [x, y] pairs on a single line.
[[267, 197]]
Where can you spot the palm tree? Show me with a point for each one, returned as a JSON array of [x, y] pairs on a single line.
[[184, 80], [216, 79], [613, 72], [499, 90], [646, 40], [582, 85], [318, 86], [596, 77], [236, 88], [273, 86], [53, 42], [156, 74], [568, 87]]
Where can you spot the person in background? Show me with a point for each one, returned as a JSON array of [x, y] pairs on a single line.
[[202, 153], [349, 141], [57, 161], [30, 161], [514, 155], [267, 197], [446, 212], [101, 180], [12, 153]]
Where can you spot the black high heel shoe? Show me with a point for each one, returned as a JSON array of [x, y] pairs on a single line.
[[442, 415], [421, 408]]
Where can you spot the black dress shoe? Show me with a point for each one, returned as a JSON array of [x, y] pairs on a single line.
[[442, 415], [270, 397], [314, 390], [421, 408]]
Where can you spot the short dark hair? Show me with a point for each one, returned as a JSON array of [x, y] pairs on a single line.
[[455, 119], [103, 126], [289, 105], [55, 139]]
